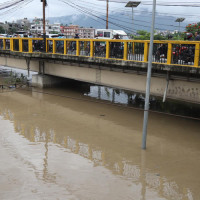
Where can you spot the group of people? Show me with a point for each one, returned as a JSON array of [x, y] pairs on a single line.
[[191, 37]]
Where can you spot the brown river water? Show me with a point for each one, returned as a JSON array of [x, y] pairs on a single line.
[[53, 147]]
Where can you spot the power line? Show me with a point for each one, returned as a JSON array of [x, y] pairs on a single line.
[[125, 27], [16, 8], [89, 13], [134, 20]]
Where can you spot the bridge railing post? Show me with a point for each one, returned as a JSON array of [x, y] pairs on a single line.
[[65, 47], [77, 48], [196, 56], [54, 46], [107, 49], [125, 50], [146, 48], [20, 45], [30, 46], [4, 44], [11, 44], [169, 54], [46, 43], [91, 48], [133, 48]]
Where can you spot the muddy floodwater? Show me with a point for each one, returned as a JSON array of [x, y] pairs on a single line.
[[68, 147]]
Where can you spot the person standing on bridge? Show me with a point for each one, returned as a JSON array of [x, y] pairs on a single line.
[[76, 36], [197, 36], [74, 42]]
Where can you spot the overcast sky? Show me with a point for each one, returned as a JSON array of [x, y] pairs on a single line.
[[58, 8]]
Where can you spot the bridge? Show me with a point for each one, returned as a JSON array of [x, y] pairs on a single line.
[[115, 63]]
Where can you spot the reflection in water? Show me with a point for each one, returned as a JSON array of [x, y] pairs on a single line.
[[118, 96], [137, 100]]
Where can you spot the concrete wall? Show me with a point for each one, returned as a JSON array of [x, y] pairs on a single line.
[[19, 63], [178, 89]]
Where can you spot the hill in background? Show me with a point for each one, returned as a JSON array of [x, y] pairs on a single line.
[[121, 21]]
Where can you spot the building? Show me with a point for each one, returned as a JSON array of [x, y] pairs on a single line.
[[37, 27], [70, 31], [24, 24]]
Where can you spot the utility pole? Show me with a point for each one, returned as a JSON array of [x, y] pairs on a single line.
[[107, 15], [44, 23], [148, 84]]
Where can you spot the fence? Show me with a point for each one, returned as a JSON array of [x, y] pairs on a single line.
[[180, 53]]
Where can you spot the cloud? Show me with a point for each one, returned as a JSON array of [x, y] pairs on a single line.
[[57, 8]]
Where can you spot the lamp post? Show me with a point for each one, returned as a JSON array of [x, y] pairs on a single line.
[[179, 20], [132, 4], [148, 83]]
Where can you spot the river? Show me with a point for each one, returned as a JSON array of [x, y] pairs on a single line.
[[61, 143]]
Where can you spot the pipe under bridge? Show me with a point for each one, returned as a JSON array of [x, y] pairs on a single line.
[[115, 63]]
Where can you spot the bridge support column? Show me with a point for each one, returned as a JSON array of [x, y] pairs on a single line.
[[45, 81], [28, 66], [41, 67], [166, 89]]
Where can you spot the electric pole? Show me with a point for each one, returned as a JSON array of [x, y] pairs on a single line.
[[107, 15], [44, 23]]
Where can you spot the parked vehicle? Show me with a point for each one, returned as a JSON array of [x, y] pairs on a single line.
[[110, 33], [3, 35]]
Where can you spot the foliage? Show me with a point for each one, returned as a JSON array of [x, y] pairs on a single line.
[[142, 35], [53, 32], [12, 31], [2, 30], [192, 28], [159, 37], [145, 35], [15, 78]]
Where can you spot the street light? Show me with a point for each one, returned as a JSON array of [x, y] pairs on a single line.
[[146, 108], [179, 20], [133, 4]]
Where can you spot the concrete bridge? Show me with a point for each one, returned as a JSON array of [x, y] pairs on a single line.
[[175, 69]]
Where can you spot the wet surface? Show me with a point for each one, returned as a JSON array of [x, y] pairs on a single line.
[[54, 147]]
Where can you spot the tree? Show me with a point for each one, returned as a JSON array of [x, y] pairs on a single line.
[[2, 30], [145, 35], [192, 28], [142, 35], [159, 37], [12, 30]]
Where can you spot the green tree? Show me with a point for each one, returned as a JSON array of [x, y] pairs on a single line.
[[192, 28], [142, 35], [145, 35], [53, 32], [12, 31], [2, 30], [159, 37]]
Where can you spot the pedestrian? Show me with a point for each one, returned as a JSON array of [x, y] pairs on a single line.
[[197, 36]]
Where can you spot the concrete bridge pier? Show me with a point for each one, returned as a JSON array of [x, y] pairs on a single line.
[[45, 81], [42, 80]]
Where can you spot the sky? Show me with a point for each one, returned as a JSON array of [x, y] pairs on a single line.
[[57, 8]]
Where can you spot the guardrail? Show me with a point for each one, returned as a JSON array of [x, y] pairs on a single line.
[[180, 53]]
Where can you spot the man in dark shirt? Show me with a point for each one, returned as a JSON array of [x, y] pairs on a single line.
[[197, 36]]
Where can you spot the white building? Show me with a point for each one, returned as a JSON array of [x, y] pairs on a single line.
[[37, 27]]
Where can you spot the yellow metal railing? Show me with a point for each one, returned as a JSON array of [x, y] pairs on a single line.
[[180, 53]]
